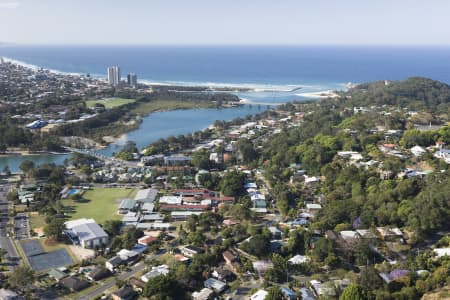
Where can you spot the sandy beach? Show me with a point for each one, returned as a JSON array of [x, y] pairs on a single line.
[[322, 94]]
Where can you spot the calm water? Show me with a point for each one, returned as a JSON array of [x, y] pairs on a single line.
[[155, 126], [272, 71]]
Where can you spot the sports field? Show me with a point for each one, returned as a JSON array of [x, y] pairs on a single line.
[[110, 102], [99, 203]]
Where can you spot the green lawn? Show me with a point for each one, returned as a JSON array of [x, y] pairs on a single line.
[[36, 220], [110, 102], [163, 104], [100, 204]]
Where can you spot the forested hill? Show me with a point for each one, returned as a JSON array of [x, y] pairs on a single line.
[[415, 93]]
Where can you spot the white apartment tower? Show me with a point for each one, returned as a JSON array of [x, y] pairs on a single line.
[[114, 75]]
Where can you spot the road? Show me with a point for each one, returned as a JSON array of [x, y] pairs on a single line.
[[104, 287], [6, 242], [113, 160]]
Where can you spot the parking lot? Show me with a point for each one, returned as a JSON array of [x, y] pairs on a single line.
[[6, 242], [3, 210], [21, 226]]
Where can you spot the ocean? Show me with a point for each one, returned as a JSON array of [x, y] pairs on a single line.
[[272, 70]]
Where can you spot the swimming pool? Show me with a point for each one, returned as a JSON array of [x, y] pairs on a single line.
[[73, 192]]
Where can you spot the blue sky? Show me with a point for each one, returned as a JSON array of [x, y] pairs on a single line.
[[229, 22]]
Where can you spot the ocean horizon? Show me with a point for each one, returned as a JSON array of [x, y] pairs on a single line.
[[262, 67]]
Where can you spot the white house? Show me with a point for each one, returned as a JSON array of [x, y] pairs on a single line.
[[204, 294], [259, 295], [88, 233], [313, 207], [299, 259], [417, 151], [156, 271], [440, 252], [216, 285], [443, 154]]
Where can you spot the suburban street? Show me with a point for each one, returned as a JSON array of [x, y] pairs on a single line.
[[6, 242], [104, 287]]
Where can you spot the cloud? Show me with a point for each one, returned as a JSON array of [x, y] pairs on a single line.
[[9, 4]]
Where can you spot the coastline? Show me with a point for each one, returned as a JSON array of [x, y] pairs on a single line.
[[319, 95], [146, 111], [215, 86]]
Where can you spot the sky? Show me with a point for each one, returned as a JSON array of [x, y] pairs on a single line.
[[226, 22]]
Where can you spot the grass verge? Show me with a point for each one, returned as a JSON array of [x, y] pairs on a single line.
[[110, 102]]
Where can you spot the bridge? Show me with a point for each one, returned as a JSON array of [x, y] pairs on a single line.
[[105, 158]]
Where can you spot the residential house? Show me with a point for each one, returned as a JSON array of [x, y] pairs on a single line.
[[98, 273], [154, 272], [417, 151], [128, 256], [137, 284], [306, 294], [443, 154], [216, 285], [262, 266], [390, 234], [223, 274], [204, 294], [323, 290], [440, 252], [229, 257], [74, 284], [313, 207], [275, 232], [147, 240], [56, 274], [311, 181], [114, 262], [366, 234], [288, 293], [190, 251], [299, 259], [349, 235], [259, 295], [125, 293]]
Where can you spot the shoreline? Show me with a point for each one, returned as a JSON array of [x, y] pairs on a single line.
[[319, 95], [110, 140], [31, 153], [216, 86]]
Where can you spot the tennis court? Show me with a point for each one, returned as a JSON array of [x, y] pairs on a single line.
[[40, 260], [49, 260]]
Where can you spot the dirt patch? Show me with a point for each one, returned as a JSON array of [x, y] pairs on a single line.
[[50, 242], [81, 253], [80, 142], [443, 293]]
